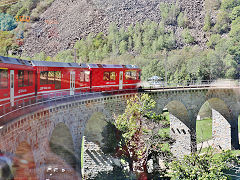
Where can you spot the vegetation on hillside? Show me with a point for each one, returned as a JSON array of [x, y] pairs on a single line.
[[152, 45]]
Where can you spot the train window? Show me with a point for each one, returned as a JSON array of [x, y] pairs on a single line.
[[106, 76], [20, 78], [82, 76], [131, 75], [43, 77], [30, 77], [58, 79], [112, 76], [3, 78], [139, 75], [134, 75], [87, 74], [26, 78], [51, 76]]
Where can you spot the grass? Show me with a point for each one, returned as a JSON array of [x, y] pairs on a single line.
[[204, 130]]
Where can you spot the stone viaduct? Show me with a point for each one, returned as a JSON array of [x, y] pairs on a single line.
[[48, 143]]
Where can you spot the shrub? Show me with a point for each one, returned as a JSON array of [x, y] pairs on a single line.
[[223, 21], [235, 13], [229, 4], [187, 37], [207, 22]]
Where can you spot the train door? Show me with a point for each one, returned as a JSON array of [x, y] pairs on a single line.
[[12, 87], [72, 82], [120, 79]]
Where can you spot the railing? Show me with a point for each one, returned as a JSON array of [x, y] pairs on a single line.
[[193, 84], [64, 96], [52, 98]]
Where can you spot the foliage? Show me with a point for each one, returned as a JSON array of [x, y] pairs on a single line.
[[207, 23], [6, 42], [64, 56], [169, 13], [182, 20], [235, 13], [214, 40], [229, 4], [207, 166], [223, 22], [139, 129], [187, 37], [7, 22]]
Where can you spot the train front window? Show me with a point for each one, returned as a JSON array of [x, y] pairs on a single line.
[[131, 75], [3, 78]]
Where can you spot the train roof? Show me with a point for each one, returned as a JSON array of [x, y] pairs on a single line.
[[10, 60], [53, 64], [112, 66]]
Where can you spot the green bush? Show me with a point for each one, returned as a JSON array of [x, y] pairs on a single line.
[[214, 40], [207, 23], [223, 22], [229, 4], [187, 37], [235, 13]]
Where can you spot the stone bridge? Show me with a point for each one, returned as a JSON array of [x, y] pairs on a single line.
[[49, 142]]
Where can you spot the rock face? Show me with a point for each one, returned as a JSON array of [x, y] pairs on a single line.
[[69, 21]]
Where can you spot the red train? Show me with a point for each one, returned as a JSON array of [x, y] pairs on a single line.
[[21, 78]]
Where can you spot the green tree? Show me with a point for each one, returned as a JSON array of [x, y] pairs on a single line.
[[123, 47], [235, 13], [40, 56], [187, 37], [182, 20], [82, 50], [139, 129], [214, 40], [207, 166], [223, 22], [229, 4], [64, 56], [207, 23], [6, 42]]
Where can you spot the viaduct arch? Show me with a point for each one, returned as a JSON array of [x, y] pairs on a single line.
[[39, 131]]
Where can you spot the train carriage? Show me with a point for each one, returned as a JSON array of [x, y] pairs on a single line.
[[57, 76], [108, 77], [132, 76], [17, 80]]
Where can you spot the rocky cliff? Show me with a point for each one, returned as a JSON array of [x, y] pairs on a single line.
[[65, 22]]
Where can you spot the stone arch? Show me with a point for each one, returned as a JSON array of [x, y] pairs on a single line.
[[24, 166], [61, 145], [221, 123], [93, 159], [180, 128]]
